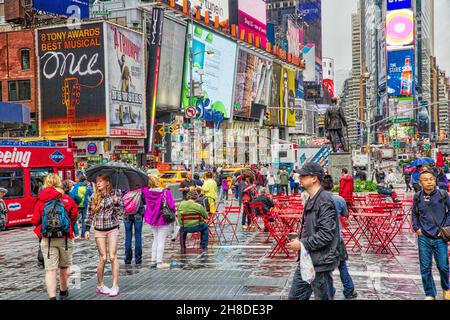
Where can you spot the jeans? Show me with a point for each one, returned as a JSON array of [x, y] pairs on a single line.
[[346, 279], [203, 228], [236, 193], [416, 187], [137, 224], [82, 213], [220, 193], [408, 186], [296, 188], [278, 187], [284, 189], [427, 249], [272, 189], [244, 215], [322, 286]]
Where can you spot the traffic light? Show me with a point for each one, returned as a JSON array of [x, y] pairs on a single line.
[[267, 117]]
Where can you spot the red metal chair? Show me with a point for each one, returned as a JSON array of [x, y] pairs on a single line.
[[251, 212], [276, 231], [230, 217], [196, 235]]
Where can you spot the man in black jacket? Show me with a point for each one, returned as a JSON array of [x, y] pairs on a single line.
[[319, 235]]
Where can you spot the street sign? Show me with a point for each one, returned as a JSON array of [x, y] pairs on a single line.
[[401, 120], [190, 113], [162, 132]]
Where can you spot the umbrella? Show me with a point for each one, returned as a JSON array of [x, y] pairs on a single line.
[[440, 159], [421, 162], [123, 176]]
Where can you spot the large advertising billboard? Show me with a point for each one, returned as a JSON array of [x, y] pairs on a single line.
[[216, 8], [275, 96], [171, 66], [253, 81], [64, 7], [309, 55], [126, 78], [293, 38], [214, 59], [310, 11], [401, 73], [400, 27], [72, 81], [287, 97], [252, 18], [405, 108], [398, 4]]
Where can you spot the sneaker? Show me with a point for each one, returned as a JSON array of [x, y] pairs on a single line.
[[152, 264], [103, 290], [447, 295], [353, 295], [162, 266], [430, 298], [64, 296], [114, 292], [244, 227]]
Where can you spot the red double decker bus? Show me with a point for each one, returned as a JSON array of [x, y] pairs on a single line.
[[23, 167]]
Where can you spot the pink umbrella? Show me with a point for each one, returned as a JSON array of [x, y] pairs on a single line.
[[440, 159]]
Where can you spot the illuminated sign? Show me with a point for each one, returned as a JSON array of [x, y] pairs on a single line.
[[398, 4], [400, 27]]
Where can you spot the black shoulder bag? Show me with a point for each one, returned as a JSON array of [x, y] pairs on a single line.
[[444, 232], [167, 212]]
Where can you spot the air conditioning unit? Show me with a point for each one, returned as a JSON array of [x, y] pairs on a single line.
[[14, 11]]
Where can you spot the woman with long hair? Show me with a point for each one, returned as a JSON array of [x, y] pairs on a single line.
[[155, 196], [249, 192], [105, 213]]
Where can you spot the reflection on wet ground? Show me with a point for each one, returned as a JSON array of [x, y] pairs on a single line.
[[226, 271]]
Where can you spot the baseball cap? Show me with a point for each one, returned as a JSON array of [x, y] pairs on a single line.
[[312, 169], [3, 190]]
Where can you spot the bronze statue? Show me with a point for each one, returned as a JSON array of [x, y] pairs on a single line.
[[335, 123]]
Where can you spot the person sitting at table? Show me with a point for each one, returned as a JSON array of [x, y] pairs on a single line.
[[266, 199], [387, 191], [190, 206]]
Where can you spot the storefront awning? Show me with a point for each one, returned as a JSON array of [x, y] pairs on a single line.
[[14, 113]]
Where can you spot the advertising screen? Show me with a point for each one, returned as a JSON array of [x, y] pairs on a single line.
[[310, 11], [72, 81], [215, 70], [400, 27], [216, 8], [64, 7], [275, 96], [287, 97], [253, 81], [401, 73], [398, 4], [171, 66], [401, 132], [309, 55], [293, 39], [252, 18], [405, 108], [126, 82]]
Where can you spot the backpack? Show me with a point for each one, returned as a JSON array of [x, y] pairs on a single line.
[[80, 191], [55, 221], [132, 201]]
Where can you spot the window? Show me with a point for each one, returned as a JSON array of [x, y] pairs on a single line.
[[37, 177], [19, 90], [12, 180], [25, 59]]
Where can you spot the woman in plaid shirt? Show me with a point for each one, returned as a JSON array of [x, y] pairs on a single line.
[[105, 214]]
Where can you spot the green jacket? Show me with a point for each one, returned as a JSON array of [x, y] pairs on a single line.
[[284, 178], [189, 206]]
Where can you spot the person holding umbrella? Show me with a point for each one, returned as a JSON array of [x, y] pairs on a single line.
[[106, 211]]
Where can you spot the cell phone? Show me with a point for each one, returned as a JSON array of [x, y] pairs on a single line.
[[292, 236]]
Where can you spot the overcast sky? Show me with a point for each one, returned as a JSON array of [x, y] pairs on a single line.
[[337, 37]]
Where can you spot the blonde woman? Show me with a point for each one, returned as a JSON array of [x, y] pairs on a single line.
[[57, 251], [154, 198], [105, 214]]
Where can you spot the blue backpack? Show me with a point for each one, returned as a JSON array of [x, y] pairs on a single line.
[[55, 222]]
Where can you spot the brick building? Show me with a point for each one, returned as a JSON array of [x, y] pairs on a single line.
[[18, 75]]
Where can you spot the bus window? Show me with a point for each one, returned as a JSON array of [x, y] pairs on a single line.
[[12, 180], [37, 177]]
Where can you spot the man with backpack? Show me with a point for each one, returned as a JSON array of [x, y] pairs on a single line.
[[430, 217], [84, 192], [53, 216]]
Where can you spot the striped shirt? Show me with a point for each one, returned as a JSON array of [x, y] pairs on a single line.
[[109, 215]]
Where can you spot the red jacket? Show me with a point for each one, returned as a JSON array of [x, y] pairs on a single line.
[[46, 195], [346, 188]]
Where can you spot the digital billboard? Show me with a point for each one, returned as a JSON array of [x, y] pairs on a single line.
[[400, 27], [63, 7], [252, 18], [275, 96], [309, 55], [287, 97], [253, 82], [398, 4], [216, 8], [310, 11], [126, 77], [405, 107], [72, 81], [293, 38], [401, 73], [401, 132], [215, 70]]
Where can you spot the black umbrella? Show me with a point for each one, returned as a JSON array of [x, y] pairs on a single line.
[[123, 176]]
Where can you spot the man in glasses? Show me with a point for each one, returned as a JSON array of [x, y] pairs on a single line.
[[319, 236]]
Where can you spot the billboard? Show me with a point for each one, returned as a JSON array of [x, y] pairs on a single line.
[[216, 8], [215, 72], [299, 85], [287, 97], [126, 77], [72, 81], [309, 55], [400, 27], [252, 18], [275, 96], [253, 82], [64, 7], [405, 108], [401, 132], [398, 4], [171, 66], [401, 73], [293, 38], [310, 11]]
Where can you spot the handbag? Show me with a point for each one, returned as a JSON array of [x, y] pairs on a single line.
[[167, 212], [444, 232]]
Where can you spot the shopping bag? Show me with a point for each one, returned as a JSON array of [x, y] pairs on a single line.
[[306, 265]]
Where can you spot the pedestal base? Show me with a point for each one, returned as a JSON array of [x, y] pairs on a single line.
[[339, 161]]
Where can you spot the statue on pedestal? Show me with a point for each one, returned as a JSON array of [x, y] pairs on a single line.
[[335, 124]]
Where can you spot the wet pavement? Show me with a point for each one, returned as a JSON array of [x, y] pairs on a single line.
[[227, 271]]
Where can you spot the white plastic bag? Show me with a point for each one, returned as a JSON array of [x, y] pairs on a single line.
[[306, 265]]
